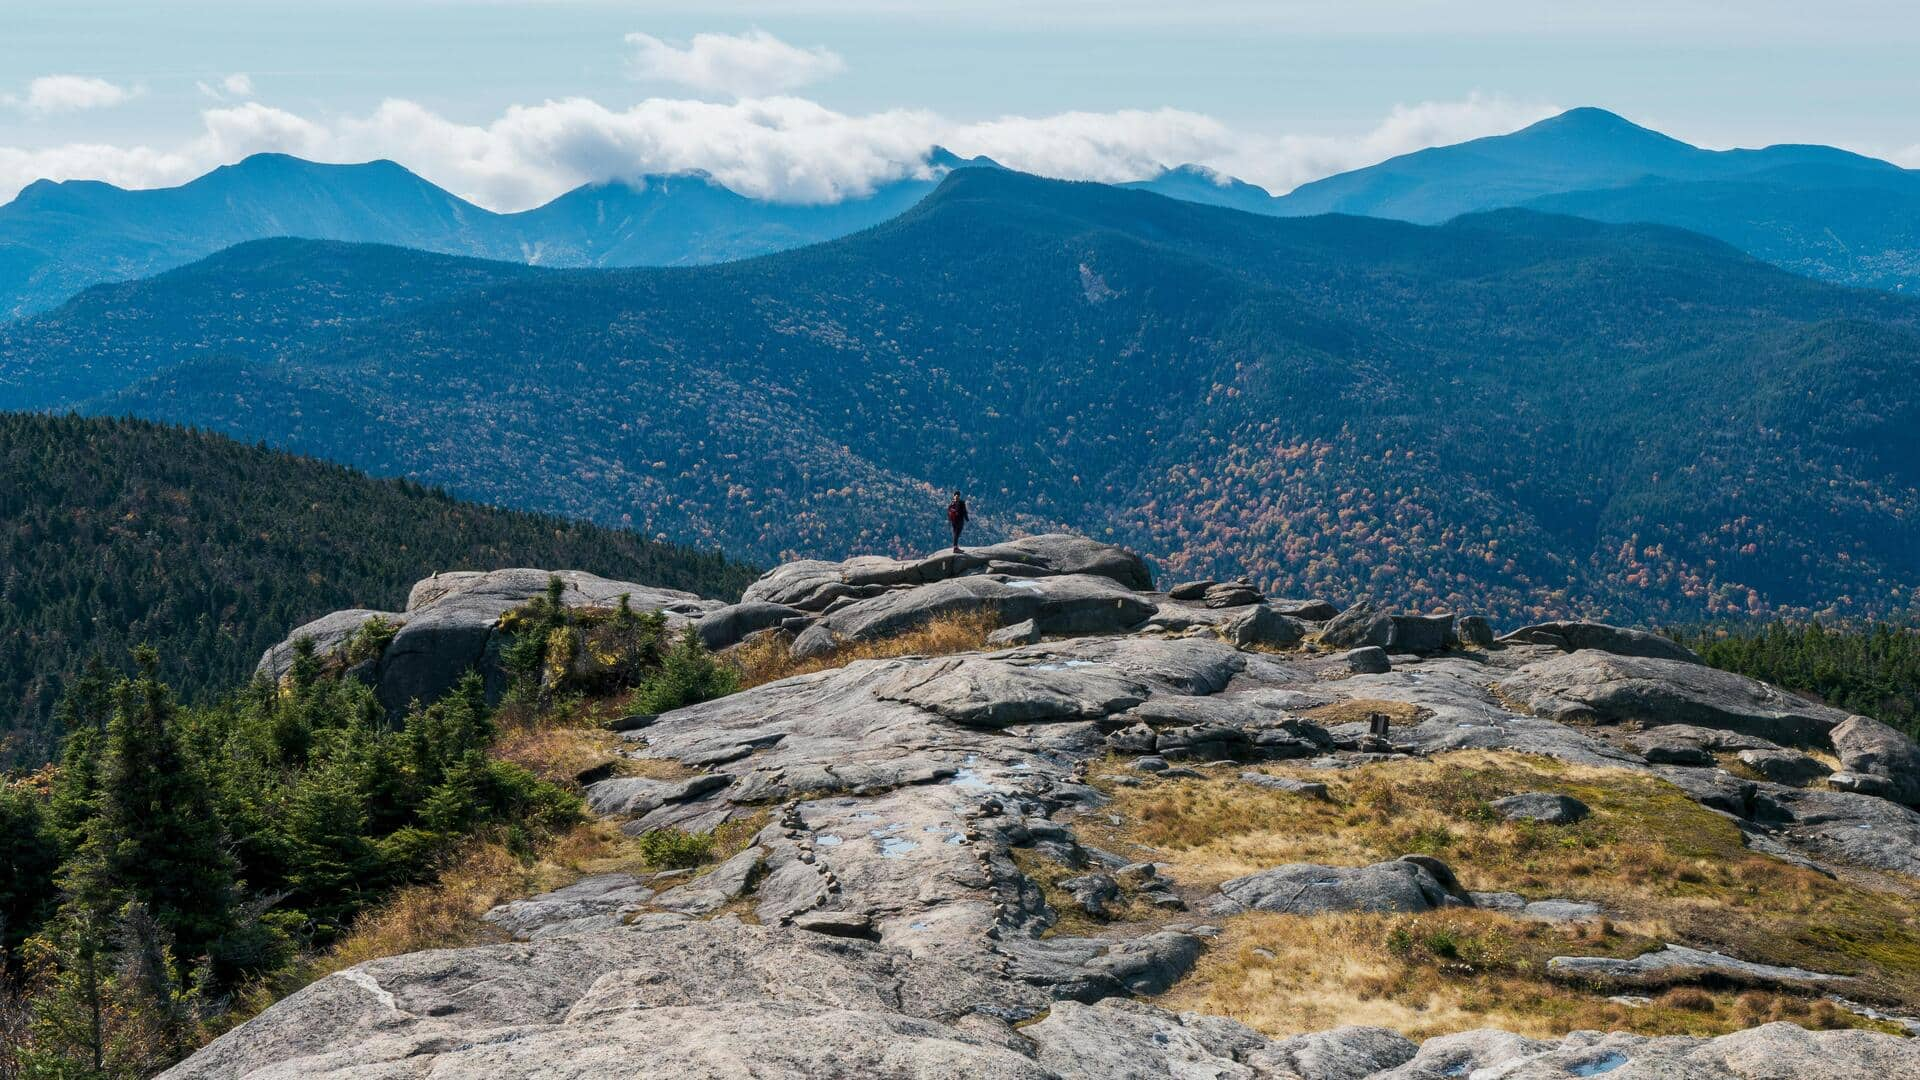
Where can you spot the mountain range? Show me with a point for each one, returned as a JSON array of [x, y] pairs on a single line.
[[1815, 210], [1515, 412], [58, 238]]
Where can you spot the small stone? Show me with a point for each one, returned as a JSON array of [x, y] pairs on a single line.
[[1151, 763]]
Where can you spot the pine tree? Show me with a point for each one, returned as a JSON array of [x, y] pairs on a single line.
[[688, 675], [156, 839], [29, 860], [330, 857]]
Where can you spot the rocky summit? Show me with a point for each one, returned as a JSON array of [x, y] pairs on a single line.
[[886, 920]]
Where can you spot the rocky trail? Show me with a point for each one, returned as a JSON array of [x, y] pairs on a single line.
[[885, 921]]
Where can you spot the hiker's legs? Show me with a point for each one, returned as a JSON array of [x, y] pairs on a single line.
[[957, 526]]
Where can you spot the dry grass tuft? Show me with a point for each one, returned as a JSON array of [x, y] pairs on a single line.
[[557, 753], [445, 913], [766, 659], [1358, 710], [1446, 971], [1665, 868]]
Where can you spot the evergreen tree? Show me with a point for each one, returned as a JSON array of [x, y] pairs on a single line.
[[29, 860], [331, 859], [688, 675], [156, 839]]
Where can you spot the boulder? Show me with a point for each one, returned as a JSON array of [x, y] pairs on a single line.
[[1094, 894], [1474, 630], [1594, 686], [1365, 624], [1676, 964], [1367, 660], [1307, 610], [846, 924], [1718, 740], [1619, 640], [1191, 590], [451, 620], [1231, 594], [815, 641], [1020, 633], [592, 904], [725, 627], [1401, 885], [716, 888], [633, 796], [1661, 746], [1541, 806], [1787, 767], [1264, 625], [1362, 624], [1420, 633], [329, 634], [1887, 761]]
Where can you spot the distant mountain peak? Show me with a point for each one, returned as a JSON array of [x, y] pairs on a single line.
[[1592, 122]]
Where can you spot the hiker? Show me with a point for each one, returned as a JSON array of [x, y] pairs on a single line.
[[957, 517]]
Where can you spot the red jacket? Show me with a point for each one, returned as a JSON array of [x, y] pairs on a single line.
[[957, 512]]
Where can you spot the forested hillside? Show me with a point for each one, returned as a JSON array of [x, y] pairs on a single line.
[[1516, 413], [1873, 670], [120, 532]]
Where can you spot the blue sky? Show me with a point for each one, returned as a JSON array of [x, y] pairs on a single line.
[[510, 102]]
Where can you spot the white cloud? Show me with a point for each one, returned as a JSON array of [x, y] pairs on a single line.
[[748, 65], [783, 148], [1110, 147], [238, 85], [69, 93]]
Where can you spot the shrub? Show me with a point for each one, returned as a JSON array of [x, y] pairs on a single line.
[[371, 640], [675, 849], [688, 675]]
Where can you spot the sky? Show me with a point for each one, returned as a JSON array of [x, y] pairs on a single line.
[[511, 102]]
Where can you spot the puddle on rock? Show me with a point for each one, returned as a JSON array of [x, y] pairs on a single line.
[[1606, 1063]]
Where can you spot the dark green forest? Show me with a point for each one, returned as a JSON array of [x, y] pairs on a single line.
[[119, 532], [1873, 671]]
